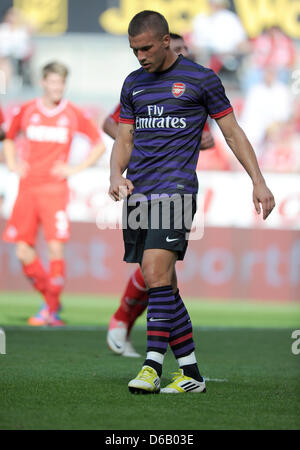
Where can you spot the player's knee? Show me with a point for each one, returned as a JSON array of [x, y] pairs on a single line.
[[154, 276], [25, 253], [55, 250]]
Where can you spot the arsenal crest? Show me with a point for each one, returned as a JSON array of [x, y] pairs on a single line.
[[178, 89]]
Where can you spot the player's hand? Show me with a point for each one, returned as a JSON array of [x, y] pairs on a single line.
[[61, 170], [264, 197], [120, 188], [21, 169]]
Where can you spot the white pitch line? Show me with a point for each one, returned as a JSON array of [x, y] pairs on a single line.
[[63, 328], [217, 380]]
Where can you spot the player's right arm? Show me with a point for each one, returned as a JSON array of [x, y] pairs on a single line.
[[10, 154], [120, 186], [20, 168], [9, 149]]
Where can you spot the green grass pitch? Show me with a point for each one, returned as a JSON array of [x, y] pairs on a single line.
[[68, 379]]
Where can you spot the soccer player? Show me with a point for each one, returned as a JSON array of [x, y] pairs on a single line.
[[134, 299], [48, 125], [164, 106]]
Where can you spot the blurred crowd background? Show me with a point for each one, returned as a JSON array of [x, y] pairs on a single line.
[[254, 48]]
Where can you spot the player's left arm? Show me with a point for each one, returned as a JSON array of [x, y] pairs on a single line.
[[65, 170], [243, 150], [87, 127]]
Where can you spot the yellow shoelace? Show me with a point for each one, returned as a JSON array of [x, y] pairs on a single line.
[[146, 374], [177, 375]]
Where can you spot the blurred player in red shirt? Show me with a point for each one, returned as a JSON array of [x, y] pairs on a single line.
[[135, 298], [48, 125]]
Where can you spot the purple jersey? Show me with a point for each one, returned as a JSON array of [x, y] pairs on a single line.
[[169, 110]]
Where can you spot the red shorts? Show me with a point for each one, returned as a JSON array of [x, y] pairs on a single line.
[[40, 205]]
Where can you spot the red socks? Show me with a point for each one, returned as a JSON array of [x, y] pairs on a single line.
[[134, 300], [56, 281], [37, 275], [137, 309], [49, 285]]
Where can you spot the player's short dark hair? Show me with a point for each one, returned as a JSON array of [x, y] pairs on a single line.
[[55, 67], [148, 20], [175, 36]]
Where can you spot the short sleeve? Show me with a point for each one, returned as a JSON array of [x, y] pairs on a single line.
[[14, 126], [126, 113], [215, 99]]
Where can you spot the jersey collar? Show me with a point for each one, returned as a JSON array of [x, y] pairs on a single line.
[[53, 111]]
